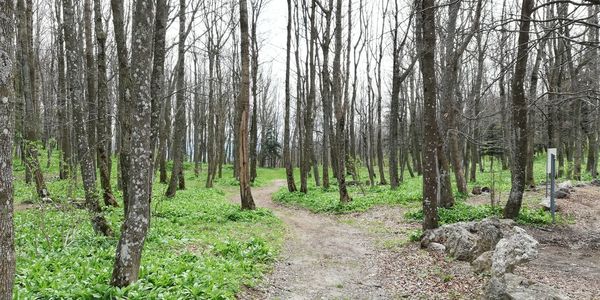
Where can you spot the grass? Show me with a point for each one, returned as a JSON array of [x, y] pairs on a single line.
[[199, 246]]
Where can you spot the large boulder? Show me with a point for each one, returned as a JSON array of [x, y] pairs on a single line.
[[467, 240], [513, 250], [457, 238]]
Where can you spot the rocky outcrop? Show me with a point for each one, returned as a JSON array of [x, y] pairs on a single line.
[[495, 246]]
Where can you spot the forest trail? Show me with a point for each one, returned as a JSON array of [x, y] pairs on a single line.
[[321, 257]]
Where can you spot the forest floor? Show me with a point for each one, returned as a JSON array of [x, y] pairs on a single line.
[[370, 255]]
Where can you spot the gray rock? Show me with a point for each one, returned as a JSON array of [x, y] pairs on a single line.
[[512, 286], [437, 247], [467, 240], [511, 251], [483, 262], [545, 204], [458, 240], [565, 185]]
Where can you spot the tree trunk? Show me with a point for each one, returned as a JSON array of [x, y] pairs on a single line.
[[86, 157], [103, 125], [289, 169], [519, 110], [62, 101], [124, 102], [243, 103], [430, 138], [7, 235], [137, 220], [90, 76], [158, 72], [340, 108], [180, 124], [28, 87]]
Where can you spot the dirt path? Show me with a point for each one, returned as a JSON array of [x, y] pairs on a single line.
[[322, 258]]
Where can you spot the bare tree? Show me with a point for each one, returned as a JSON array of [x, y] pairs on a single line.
[[103, 124], [180, 124], [340, 107], [137, 219], [519, 110], [243, 103], [289, 171]]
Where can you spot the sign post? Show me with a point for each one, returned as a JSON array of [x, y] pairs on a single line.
[[551, 170]]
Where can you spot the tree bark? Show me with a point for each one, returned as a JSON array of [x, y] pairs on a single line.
[[180, 124], [103, 125], [430, 138], [340, 108], [243, 103], [289, 169], [519, 110], [124, 102], [90, 76], [7, 68], [158, 74], [62, 101], [137, 219]]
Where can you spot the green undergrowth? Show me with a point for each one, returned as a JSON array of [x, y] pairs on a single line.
[[199, 245], [319, 200], [462, 212]]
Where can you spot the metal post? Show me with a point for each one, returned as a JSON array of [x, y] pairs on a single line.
[[552, 186]]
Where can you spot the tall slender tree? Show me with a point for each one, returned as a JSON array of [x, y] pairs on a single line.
[[426, 40], [103, 125], [289, 170], [340, 107], [519, 111], [243, 107], [180, 124]]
